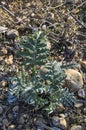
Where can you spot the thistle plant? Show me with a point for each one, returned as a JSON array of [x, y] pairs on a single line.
[[43, 91]]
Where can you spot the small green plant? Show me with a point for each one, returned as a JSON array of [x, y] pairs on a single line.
[[44, 91]]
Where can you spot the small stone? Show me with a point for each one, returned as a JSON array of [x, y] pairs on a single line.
[[81, 93], [84, 110], [15, 109], [43, 70], [55, 120], [28, 4], [11, 127], [78, 105], [59, 122], [32, 15], [62, 115], [78, 111], [19, 127], [74, 80], [10, 116], [3, 83], [63, 123], [5, 122], [21, 120], [77, 127], [83, 64], [44, 27], [40, 122], [52, 16], [1, 110], [4, 50]]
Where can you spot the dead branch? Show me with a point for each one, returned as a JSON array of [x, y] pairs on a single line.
[[77, 20], [4, 8]]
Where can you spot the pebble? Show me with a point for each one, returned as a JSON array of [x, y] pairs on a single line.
[[84, 111], [10, 116], [4, 50], [3, 83], [5, 122], [33, 14], [77, 127], [21, 120], [74, 80], [62, 115], [16, 108], [19, 127], [1, 110], [59, 122], [83, 64], [63, 123], [40, 122], [52, 16], [44, 27], [11, 127], [81, 93], [55, 120], [28, 5], [78, 105]]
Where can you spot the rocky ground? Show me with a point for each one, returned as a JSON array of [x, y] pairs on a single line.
[[66, 44]]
